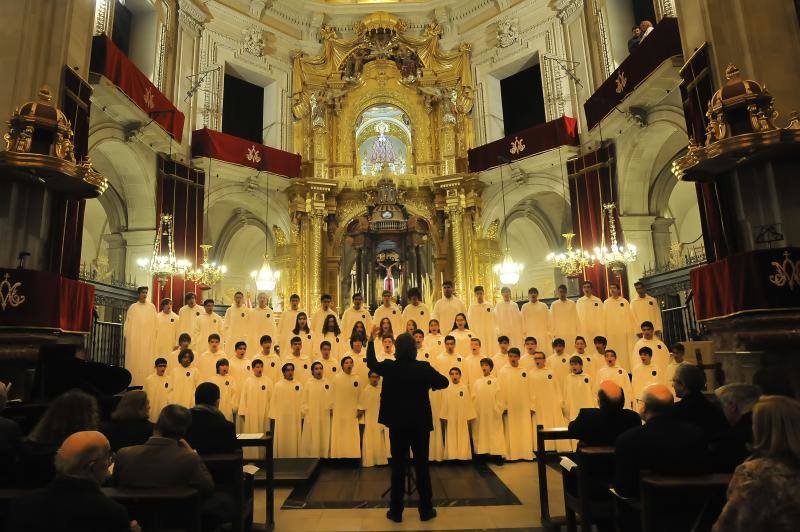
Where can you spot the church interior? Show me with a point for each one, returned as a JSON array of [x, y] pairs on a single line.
[[222, 217]]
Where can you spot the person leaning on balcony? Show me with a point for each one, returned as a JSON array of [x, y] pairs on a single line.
[[633, 42], [645, 27]]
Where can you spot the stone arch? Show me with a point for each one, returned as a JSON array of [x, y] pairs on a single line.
[[517, 191]]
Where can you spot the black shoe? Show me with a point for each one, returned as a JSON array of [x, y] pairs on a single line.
[[397, 518], [427, 516]]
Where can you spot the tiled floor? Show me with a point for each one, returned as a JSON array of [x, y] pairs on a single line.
[[519, 477]]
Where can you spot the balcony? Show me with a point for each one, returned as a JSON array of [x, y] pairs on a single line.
[[240, 155], [130, 99], [644, 78]]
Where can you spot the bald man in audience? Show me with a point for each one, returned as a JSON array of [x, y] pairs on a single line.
[[73, 501], [602, 426], [662, 446]]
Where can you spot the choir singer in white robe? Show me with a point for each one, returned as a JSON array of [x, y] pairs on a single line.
[[236, 323], [344, 424], [457, 411], [446, 308], [189, 321], [166, 329], [355, 313], [620, 326], [389, 310], [184, 379], [254, 406], [262, 321], [519, 400], [548, 401], [316, 403], [286, 324], [615, 373], [375, 448], [591, 319], [482, 322], [284, 410], [646, 308], [564, 316], [536, 319], [487, 427], [509, 320], [209, 323], [140, 324], [158, 387], [317, 319], [416, 310]]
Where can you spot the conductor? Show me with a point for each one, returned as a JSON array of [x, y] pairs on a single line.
[[406, 411]]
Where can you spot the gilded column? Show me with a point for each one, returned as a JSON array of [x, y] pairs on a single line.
[[455, 214], [315, 258]]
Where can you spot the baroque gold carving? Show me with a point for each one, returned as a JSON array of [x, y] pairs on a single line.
[[9, 296]]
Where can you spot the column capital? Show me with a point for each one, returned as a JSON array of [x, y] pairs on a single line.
[[636, 222]]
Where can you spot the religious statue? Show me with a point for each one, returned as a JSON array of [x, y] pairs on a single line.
[[388, 261]]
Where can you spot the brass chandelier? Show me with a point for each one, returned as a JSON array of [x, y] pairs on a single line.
[[572, 262], [163, 264], [620, 255]]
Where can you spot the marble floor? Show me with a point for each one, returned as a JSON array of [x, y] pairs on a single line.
[[519, 477]]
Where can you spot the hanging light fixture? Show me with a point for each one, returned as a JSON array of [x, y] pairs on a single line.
[[619, 256], [163, 264], [209, 272], [508, 270], [571, 261], [266, 278]]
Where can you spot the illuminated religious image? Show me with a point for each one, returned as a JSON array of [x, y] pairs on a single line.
[[383, 138]]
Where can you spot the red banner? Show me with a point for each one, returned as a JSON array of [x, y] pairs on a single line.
[[45, 300], [559, 132], [224, 147], [110, 62]]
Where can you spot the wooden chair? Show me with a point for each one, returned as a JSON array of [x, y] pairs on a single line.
[[682, 503], [543, 456], [159, 509], [226, 469], [586, 486]]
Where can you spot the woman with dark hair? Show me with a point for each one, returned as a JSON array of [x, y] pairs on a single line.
[[359, 331], [462, 334], [411, 326], [764, 493], [129, 424], [331, 333], [302, 331], [71, 412], [384, 330]]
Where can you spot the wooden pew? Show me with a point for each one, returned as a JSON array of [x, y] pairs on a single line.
[[682, 503], [228, 478], [160, 508], [586, 486], [543, 456]]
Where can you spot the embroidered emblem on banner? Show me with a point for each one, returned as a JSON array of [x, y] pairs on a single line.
[[621, 82], [149, 99], [786, 272], [8, 293], [253, 155], [517, 146]]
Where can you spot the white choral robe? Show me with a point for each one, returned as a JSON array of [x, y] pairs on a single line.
[[184, 382], [139, 328], [445, 310], [661, 355], [537, 322], [375, 448], [189, 323], [482, 324], [419, 313], [228, 395], [620, 328], [261, 322], [240, 370], [564, 316], [560, 366], [159, 393], [317, 319], [395, 317], [302, 367], [463, 341], [423, 355], [330, 367], [518, 425], [237, 326], [548, 403], [500, 361], [591, 363], [619, 376], [166, 334], [509, 323], [458, 411], [338, 344], [272, 365], [344, 424], [316, 403], [591, 318], [284, 410], [434, 343], [487, 427], [207, 365], [306, 345], [471, 369], [285, 325], [359, 362], [350, 317], [444, 363], [579, 392], [644, 376], [646, 309], [209, 324], [254, 410], [436, 442], [526, 361]]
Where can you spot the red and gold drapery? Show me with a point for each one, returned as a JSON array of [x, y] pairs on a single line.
[[229, 148]]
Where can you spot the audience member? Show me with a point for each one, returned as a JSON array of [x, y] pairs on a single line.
[[646, 28], [764, 493], [210, 432], [733, 446], [689, 382], [73, 501], [633, 42], [601, 426], [663, 445], [129, 423], [71, 412], [10, 441]]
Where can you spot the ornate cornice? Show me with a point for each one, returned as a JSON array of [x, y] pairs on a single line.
[[566, 8], [193, 16]]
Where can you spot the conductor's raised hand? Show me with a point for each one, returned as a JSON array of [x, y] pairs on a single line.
[[375, 330]]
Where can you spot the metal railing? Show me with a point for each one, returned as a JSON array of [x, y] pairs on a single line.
[[105, 343], [680, 323]]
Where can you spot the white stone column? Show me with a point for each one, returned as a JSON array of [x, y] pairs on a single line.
[[662, 240], [638, 231], [116, 255], [138, 243]]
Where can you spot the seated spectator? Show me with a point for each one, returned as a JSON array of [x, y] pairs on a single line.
[[210, 432], [733, 445], [764, 493], [73, 501], [633, 42], [663, 445], [689, 382], [10, 441], [71, 412], [646, 28], [601, 426], [129, 423]]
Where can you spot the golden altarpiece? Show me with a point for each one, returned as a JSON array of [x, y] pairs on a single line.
[[383, 122]]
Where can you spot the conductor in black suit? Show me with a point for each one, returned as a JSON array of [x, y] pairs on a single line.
[[406, 411]]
